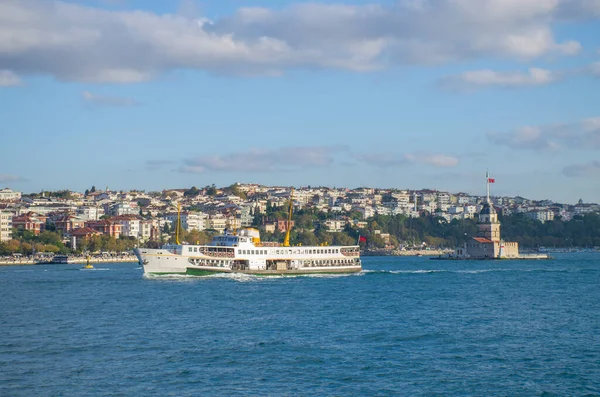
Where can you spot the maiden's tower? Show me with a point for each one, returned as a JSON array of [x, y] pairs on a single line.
[[488, 244]]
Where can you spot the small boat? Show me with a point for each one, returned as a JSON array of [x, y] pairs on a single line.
[[88, 265]]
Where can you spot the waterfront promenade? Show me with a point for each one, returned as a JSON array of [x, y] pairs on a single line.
[[75, 259]]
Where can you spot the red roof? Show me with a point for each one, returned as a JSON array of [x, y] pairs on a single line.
[[83, 231], [482, 240]]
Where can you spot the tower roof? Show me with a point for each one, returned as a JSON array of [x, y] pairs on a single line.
[[487, 209]]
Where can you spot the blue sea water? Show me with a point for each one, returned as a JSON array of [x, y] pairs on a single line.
[[403, 327]]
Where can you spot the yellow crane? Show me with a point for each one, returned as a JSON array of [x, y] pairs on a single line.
[[286, 241]]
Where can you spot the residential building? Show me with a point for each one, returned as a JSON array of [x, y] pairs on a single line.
[[124, 208], [5, 226], [106, 227], [80, 237], [130, 225], [30, 221], [541, 215], [90, 213], [66, 223], [335, 225], [7, 194]]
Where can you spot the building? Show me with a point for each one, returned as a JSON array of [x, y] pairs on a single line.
[[335, 225], [282, 224], [189, 220], [80, 237], [8, 195], [488, 244], [5, 226], [31, 222], [106, 227], [124, 208], [541, 215], [67, 222], [130, 225]]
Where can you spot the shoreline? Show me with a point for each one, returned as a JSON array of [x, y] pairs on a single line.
[[72, 261], [406, 253]]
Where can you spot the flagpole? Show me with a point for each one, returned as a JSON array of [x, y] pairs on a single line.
[[487, 185]]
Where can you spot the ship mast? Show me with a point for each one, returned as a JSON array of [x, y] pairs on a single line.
[[286, 241]]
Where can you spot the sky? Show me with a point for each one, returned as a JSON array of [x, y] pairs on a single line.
[[408, 94]]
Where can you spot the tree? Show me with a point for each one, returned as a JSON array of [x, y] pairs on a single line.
[[235, 190], [191, 192], [211, 190]]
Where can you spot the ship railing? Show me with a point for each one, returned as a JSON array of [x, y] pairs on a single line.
[[354, 251], [267, 244]]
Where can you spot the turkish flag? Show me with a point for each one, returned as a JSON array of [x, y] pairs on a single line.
[[491, 180]]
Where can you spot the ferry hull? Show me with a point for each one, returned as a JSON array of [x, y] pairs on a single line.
[[206, 271]]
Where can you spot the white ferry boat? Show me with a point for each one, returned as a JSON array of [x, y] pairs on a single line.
[[244, 253]]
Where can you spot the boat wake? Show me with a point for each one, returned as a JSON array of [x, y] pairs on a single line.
[[240, 277], [94, 269], [467, 271]]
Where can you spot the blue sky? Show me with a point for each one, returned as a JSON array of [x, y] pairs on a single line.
[[400, 94]]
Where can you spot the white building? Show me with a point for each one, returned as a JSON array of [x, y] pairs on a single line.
[[5, 226], [148, 229], [541, 215], [189, 220], [130, 225], [335, 225], [8, 195], [124, 208], [90, 213]]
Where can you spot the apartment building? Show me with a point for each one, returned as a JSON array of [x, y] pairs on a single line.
[[5, 226]]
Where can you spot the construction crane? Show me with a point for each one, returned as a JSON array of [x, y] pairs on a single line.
[[286, 241]]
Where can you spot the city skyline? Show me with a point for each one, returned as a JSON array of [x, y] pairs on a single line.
[[156, 95]]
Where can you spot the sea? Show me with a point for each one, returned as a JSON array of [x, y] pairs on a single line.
[[405, 326]]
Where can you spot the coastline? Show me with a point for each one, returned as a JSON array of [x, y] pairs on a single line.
[[75, 260], [437, 252]]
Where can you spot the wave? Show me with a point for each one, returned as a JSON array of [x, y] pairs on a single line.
[[472, 271], [240, 277]]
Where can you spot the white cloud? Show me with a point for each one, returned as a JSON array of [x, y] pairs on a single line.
[[389, 159], [584, 134], [4, 178], [485, 77], [583, 170], [264, 160], [83, 43], [104, 100], [9, 79], [595, 69]]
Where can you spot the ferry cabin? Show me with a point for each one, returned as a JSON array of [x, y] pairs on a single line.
[[246, 252]]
